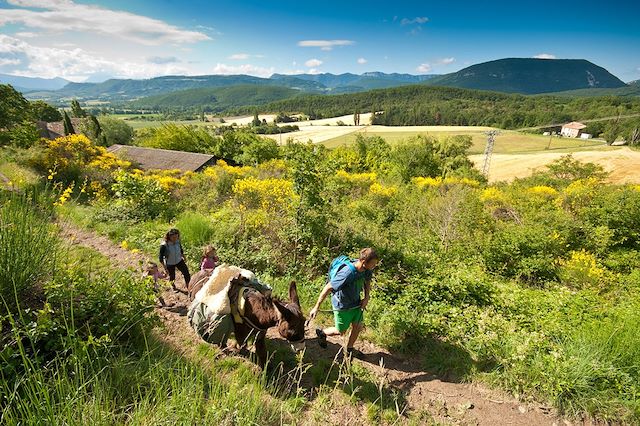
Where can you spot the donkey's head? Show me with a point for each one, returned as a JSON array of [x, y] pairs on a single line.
[[292, 323]]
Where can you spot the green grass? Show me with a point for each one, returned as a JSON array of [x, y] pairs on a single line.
[[131, 120], [27, 247], [19, 176], [508, 142]]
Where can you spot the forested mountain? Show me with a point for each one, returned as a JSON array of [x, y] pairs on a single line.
[[215, 99], [426, 105], [530, 76]]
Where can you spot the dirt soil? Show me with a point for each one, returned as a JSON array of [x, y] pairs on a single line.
[[448, 402]]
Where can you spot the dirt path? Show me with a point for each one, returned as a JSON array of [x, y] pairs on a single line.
[[448, 402]]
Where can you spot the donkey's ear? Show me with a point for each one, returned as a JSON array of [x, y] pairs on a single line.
[[293, 294], [283, 309]]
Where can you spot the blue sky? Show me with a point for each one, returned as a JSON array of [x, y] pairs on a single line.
[[92, 40]]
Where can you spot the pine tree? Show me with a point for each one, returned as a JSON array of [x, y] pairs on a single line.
[[68, 127], [76, 109]]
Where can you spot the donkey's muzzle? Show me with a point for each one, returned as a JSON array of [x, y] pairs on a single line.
[[298, 346]]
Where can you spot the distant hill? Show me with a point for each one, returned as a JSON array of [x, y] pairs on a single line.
[[349, 83], [215, 99], [530, 76], [629, 90], [120, 90], [123, 90], [26, 84]]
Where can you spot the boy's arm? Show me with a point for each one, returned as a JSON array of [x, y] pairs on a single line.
[[323, 294], [367, 289]]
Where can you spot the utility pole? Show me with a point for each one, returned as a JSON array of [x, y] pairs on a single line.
[[491, 138]]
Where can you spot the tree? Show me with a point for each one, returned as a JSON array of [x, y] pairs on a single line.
[[256, 121], [611, 132], [14, 108], [42, 111], [76, 109], [24, 135], [259, 150], [68, 127], [115, 131]]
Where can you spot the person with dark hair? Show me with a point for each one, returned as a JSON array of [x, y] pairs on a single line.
[[172, 257], [347, 278]]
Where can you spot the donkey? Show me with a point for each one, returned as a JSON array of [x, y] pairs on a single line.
[[261, 312]]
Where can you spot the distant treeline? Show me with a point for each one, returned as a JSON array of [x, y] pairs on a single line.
[[420, 105]]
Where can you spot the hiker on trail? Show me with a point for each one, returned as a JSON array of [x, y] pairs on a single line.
[[347, 278], [172, 257], [156, 274], [209, 258]]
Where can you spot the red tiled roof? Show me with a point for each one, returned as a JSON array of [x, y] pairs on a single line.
[[574, 125]]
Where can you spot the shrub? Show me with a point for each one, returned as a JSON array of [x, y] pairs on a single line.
[[139, 197]]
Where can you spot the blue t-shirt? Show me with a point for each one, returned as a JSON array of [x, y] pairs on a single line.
[[346, 285]]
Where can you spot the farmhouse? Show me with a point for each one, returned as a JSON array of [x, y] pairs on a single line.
[[572, 130], [163, 159], [55, 129]]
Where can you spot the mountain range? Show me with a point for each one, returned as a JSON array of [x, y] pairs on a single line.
[[511, 75], [27, 84]]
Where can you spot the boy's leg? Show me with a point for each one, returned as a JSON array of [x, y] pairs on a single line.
[[332, 331], [356, 328]]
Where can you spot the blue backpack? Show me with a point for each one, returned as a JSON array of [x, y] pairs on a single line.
[[337, 264]]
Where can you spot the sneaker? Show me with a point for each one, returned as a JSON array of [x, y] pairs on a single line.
[[322, 337], [354, 353]]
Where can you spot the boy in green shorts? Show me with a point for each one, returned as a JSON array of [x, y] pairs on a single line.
[[347, 278]]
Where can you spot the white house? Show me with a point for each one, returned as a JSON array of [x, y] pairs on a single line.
[[572, 130]]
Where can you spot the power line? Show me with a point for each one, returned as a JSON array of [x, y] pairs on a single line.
[[491, 138]]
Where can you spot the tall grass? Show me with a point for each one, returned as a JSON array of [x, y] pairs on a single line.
[[109, 386], [28, 245], [195, 229]]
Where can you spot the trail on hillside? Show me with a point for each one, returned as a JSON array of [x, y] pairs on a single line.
[[446, 400]]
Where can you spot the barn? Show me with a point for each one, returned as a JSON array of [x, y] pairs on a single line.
[[572, 130]]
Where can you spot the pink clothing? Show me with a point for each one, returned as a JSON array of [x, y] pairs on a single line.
[[208, 263], [157, 275]]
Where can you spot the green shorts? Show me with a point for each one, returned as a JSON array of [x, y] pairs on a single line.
[[343, 319]]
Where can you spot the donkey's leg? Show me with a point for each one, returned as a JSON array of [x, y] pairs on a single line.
[[242, 334], [261, 348]]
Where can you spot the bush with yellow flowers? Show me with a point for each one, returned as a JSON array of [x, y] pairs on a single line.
[[271, 195], [75, 156], [353, 184], [581, 270], [429, 182]]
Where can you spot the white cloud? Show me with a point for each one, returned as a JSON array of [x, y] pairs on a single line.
[[417, 20], [545, 56], [445, 61], [162, 59], [5, 62], [362, 61], [239, 56], [75, 64], [312, 63], [65, 16], [243, 69], [313, 71], [325, 44], [424, 68], [26, 34]]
